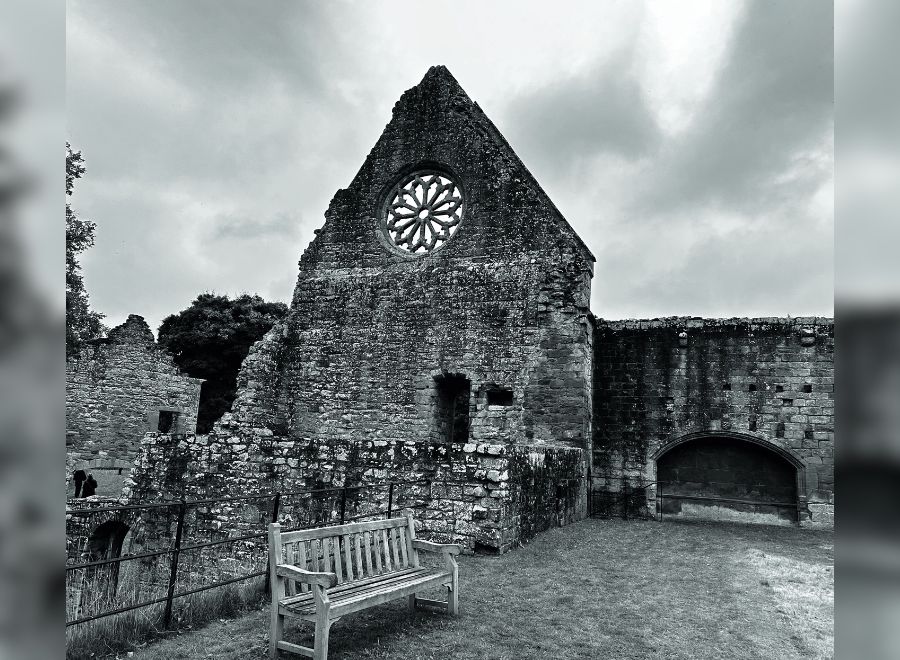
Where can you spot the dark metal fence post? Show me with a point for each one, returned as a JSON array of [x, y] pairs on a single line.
[[590, 493], [390, 499], [343, 502], [625, 498], [173, 572], [276, 505]]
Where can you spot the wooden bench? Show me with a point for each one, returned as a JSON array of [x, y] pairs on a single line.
[[322, 574]]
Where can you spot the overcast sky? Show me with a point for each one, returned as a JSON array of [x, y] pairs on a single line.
[[690, 144]]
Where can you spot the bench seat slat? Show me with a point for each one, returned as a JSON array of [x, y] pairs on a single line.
[[386, 593], [365, 596], [355, 586]]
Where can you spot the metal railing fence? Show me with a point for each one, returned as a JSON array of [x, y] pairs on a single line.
[[178, 548]]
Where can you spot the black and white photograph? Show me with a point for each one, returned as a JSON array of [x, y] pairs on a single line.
[[478, 330]]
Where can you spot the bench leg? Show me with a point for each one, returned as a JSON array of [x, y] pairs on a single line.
[[453, 592], [276, 632], [412, 603], [323, 629]]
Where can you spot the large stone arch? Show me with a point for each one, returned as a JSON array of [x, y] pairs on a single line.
[[776, 454]]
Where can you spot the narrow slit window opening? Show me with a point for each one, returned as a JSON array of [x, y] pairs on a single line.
[[499, 397]]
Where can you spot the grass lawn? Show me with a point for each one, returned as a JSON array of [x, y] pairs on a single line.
[[597, 589]]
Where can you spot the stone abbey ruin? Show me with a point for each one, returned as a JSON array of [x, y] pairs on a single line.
[[118, 388], [440, 329]]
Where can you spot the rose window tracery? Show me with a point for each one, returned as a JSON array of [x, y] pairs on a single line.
[[423, 211]]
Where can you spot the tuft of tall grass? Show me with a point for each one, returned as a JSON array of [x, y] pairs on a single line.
[[115, 634]]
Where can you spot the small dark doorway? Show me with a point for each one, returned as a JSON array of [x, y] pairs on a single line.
[[451, 410], [714, 473]]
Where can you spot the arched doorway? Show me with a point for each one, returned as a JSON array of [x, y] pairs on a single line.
[[100, 582], [728, 476]]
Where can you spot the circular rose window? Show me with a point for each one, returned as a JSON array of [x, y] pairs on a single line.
[[423, 211]]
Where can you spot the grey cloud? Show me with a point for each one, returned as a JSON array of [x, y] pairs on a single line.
[[280, 225], [772, 101], [216, 45], [868, 98], [773, 269], [601, 111], [265, 109]]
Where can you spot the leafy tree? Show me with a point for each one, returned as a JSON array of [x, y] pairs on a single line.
[[81, 322], [210, 340]]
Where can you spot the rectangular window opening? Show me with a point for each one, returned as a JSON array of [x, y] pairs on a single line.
[[779, 388], [807, 388], [166, 423], [787, 402], [726, 387], [452, 408], [752, 387], [500, 397]]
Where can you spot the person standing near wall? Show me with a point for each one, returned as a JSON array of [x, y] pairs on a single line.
[[90, 486], [79, 476]]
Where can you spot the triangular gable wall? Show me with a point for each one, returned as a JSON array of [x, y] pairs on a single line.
[[436, 124]]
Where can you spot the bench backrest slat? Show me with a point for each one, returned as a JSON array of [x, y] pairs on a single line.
[[338, 530], [336, 553], [348, 560], [368, 551], [386, 549], [302, 563], [403, 546], [358, 547], [376, 549], [395, 550]]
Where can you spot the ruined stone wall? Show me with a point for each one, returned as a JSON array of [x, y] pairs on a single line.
[[115, 390], [765, 379], [504, 303], [352, 385], [484, 496]]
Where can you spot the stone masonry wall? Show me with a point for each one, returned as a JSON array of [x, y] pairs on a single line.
[[484, 496], [504, 303], [767, 379], [381, 348], [115, 390]]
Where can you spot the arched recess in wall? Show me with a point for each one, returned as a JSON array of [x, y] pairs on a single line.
[[106, 541], [101, 582], [745, 473]]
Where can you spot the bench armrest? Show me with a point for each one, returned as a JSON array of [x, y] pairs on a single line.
[[310, 577], [428, 546]]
